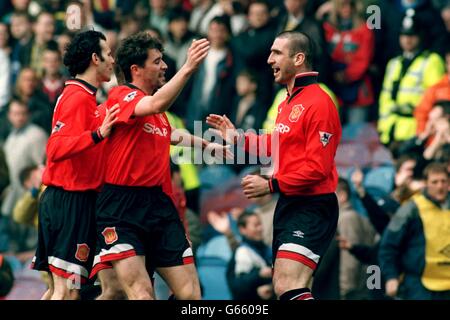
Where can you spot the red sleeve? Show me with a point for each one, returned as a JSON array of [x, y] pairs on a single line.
[[259, 145], [362, 57], [319, 161], [127, 101], [70, 135]]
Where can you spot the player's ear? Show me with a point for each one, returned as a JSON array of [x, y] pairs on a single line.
[[299, 59]]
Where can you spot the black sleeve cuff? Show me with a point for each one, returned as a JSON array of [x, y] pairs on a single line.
[[96, 136], [273, 185]]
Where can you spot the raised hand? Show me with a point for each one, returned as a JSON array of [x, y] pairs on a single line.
[[220, 222], [223, 127], [197, 52], [110, 119]]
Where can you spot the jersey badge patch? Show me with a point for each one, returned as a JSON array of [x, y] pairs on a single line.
[[325, 137]]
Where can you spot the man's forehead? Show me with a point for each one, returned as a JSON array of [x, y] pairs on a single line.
[[154, 53], [280, 44]]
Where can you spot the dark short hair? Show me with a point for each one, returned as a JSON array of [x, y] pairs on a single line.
[[17, 100], [343, 186], [78, 54], [243, 218], [25, 173], [444, 104], [222, 20], [435, 167], [299, 42], [134, 50]]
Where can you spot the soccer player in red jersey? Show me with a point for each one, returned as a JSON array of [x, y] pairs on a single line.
[[74, 168], [303, 146], [138, 225]]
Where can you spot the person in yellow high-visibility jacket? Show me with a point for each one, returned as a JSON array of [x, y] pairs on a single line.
[[188, 170], [406, 79]]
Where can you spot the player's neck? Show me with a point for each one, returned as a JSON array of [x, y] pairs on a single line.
[[90, 78], [141, 85]]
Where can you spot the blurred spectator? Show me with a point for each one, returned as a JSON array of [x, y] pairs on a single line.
[[232, 9], [6, 277], [356, 229], [128, 26], [445, 15], [22, 33], [22, 6], [63, 40], [5, 65], [249, 274], [198, 14], [52, 80], [44, 29], [439, 91], [179, 37], [433, 143], [253, 48], [351, 45], [26, 208], [158, 17], [214, 82], [247, 110], [29, 92], [296, 19], [416, 243], [406, 78], [391, 25], [24, 146], [264, 207]]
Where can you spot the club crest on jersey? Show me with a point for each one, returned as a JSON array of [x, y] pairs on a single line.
[[325, 137], [82, 253], [110, 235], [58, 126], [129, 97], [296, 112]]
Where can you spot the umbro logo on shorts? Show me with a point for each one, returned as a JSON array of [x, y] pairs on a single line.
[[298, 234]]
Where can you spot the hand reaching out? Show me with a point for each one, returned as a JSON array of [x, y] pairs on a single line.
[[223, 127], [110, 119]]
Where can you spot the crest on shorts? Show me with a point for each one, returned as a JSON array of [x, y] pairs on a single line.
[[325, 137], [110, 235], [296, 112], [82, 253]]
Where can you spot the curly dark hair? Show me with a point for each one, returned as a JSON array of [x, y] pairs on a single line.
[[134, 50], [78, 54]]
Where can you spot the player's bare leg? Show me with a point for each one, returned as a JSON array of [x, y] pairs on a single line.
[[183, 281], [111, 288], [290, 275], [133, 278], [49, 281], [62, 289]]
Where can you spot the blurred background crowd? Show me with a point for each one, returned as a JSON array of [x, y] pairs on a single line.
[[387, 67]]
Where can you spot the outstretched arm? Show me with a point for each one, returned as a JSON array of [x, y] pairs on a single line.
[[164, 97]]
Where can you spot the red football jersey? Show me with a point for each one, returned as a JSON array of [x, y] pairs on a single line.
[[138, 148], [74, 159], [308, 131]]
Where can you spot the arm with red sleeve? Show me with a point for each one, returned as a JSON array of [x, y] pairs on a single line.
[[319, 159], [70, 135], [361, 59]]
